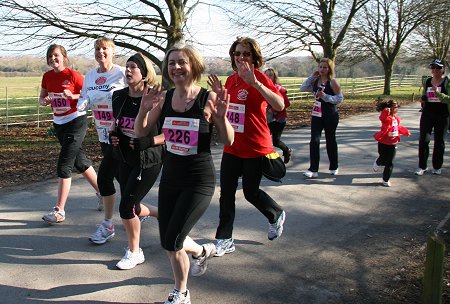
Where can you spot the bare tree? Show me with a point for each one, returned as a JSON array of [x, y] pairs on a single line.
[[317, 26], [150, 27], [384, 25], [432, 39]]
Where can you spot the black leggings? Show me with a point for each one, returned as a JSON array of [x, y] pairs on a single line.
[[276, 129], [329, 124], [178, 211], [107, 171], [134, 186], [386, 159], [70, 136], [428, 122], [250, 168]]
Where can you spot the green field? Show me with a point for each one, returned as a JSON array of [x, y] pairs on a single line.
[[19, 95]]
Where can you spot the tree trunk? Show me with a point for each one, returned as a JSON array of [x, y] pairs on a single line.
[[387, 66]]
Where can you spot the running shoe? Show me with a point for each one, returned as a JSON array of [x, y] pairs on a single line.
[[224, 246], [54, 216], [131, 259], [287, 156], [100, 205], [310, 174], [177, 297], [437, 171], [387, 184], [276, 229], [200, 264], [144, 218], [102, 234], [420, 171], [334, 172], [375, 166]]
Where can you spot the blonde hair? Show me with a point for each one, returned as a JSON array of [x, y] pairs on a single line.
[[150, 78], [274, 73], [195, 61], [331, 67], [103, 41]]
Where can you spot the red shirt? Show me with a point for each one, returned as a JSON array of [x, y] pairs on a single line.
[[255, 141], [390, 129], [65, 80]]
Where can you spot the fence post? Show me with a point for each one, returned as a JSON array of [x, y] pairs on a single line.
[[37, 94], [434, 270], [7, 108]]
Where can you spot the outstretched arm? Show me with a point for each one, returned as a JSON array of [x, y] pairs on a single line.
[[149, 110]]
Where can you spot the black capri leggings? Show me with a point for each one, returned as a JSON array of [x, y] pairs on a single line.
[[107, 171], [71, 135], [178, 211], [133, 189]]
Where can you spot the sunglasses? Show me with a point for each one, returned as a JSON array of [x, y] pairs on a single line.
[[245, 54], [436, 67]]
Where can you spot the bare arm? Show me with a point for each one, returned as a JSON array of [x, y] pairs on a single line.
[[149, 110], [216, 112]]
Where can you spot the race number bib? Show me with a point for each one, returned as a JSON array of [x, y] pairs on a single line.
[[60, 103], [126, 126], [394, 129], [317, 109], [236, 116], [104, 120], [181, 135], [431, 94]]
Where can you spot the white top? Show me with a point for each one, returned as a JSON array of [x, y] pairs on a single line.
[[96, 94]]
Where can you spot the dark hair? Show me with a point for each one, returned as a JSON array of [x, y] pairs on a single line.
[[274, 73], [63, 51], [254, 48], [383, 104]]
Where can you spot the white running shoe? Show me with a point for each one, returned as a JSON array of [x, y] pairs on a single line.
[[437, 171], [54, 216], [200, 264], [102, 234], [420, 171], [276, 229], [100, 205], [334, 172], [375, 166], [224, 246], [131, 259], [387, 184], [177, 297], [310, 174]]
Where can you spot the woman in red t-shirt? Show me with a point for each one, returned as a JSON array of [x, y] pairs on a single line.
[[61, 88], [250, 92]]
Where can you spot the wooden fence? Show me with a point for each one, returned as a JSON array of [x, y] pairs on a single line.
[[26, 110]]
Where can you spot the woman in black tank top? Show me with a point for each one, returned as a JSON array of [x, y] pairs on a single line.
[[186, 114]]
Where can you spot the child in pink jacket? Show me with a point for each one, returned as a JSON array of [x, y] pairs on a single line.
[[387, 138]]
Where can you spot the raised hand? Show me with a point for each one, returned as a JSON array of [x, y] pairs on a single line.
[[247, 72], [219, 107], [151, 96], [215, 83]]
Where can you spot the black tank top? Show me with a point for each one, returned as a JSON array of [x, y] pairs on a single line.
[[328, 109], [438, 108], [191, 171]]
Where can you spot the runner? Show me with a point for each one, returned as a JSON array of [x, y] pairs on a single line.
[[61, 88], [250, 92], [187, 114], [139, 158], [99, 85]]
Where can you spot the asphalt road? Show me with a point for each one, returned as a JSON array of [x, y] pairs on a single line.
[[343, 237]]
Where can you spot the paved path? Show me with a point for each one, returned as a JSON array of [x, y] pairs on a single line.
[[342, 234]]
